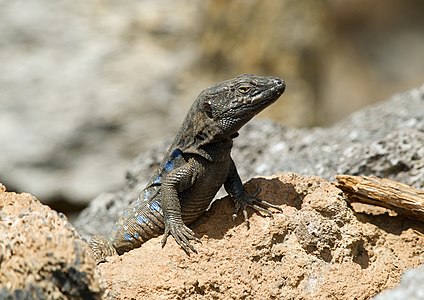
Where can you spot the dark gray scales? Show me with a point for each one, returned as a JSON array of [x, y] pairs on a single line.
[[194, 168]]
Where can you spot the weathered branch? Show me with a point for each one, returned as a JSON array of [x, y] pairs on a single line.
[[394, 195]]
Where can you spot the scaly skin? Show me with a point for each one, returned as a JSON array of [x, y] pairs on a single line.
[[194, 168]]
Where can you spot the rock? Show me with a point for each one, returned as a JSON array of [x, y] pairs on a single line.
[[410, 287], [384, 140], [318, 248], [41, 254]]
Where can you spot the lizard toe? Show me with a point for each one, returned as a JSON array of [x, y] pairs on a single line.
[[182, 235]]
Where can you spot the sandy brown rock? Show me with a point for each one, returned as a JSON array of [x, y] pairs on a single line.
[[317, 249], [41, 254]]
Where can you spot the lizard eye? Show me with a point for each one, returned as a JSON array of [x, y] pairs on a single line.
[[244, 89], [208, 109]]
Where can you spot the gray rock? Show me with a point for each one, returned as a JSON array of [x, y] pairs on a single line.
[[410, 287], [383, 140]]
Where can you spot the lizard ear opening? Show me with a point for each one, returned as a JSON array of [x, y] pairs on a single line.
[[207, 107]]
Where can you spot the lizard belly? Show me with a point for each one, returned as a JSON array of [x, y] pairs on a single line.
[[195, 200]]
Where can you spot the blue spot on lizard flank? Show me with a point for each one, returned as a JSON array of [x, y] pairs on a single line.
[[176, 153], [136, 235], [127, 236], [145, 195], [157, 180], [141, 219], [155, 206], [169, 166]]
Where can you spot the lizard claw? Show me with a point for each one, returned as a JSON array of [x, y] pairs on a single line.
[[254, 202], [182, 235]]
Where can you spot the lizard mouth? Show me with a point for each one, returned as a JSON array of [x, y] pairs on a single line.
[[270, 95]]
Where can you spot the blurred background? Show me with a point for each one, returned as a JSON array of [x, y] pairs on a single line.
[[85, 86]]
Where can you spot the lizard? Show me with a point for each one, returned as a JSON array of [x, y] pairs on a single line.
[[196, 165]]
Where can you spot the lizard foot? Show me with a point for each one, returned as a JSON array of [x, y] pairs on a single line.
[[101, 248], [254, 202], [182, 235]]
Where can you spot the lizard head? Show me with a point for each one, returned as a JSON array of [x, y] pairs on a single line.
[[232, 103], [222, 109]]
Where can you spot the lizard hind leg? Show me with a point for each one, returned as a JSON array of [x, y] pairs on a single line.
[[101, 247]]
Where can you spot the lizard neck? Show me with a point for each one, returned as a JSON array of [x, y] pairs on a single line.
[[212, 151], [201, 135], [217, 151]]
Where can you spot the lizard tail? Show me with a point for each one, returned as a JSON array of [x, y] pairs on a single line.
[[101, 248]]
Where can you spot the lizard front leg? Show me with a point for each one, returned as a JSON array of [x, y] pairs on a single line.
[[175, 182], [242, 200]]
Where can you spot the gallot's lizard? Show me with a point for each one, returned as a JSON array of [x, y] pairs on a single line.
[[196, 165]]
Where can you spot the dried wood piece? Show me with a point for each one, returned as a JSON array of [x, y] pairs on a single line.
[[394, 195]]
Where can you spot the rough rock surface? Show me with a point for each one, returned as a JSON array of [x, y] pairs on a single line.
[[318, 248], [41, 254]]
